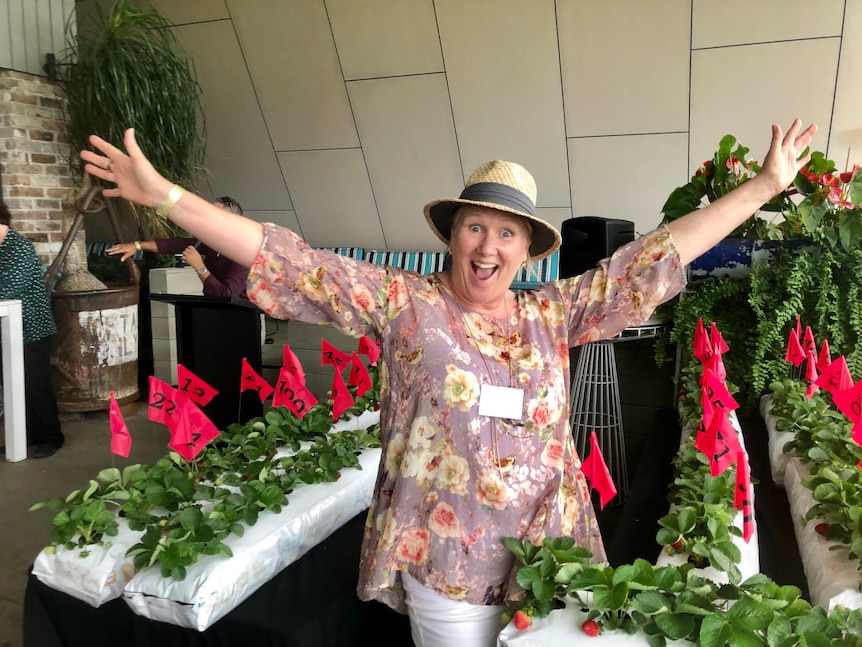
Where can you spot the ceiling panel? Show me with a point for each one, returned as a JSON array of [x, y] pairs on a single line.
[[290, 53], [625, 66], [229, 100], [503, 68], [405, 125], [378, 38], [333, 199], [191, 10]]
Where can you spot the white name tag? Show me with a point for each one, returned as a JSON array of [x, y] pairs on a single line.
[[501, 402]]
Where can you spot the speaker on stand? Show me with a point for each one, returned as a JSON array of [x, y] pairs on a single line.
[[589, 239]]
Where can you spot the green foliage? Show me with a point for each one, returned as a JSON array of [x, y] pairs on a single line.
[[127, 70], [674, 603]]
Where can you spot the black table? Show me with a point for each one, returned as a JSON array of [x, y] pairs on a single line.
[[311, 603], [213, 335]]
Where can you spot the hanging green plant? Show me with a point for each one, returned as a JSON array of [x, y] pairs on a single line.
[[126, 69]]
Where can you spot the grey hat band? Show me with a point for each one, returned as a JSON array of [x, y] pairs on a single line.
[[501, 194]]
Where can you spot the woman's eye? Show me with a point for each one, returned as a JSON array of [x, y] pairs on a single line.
[[475, 229], [507, 234]]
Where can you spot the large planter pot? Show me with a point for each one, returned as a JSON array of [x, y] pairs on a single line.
[[735, 257]]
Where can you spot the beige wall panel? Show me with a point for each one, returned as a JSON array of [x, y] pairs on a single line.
[[378, 38], [738, 22], [282, 218], [502, 64], [405, 125], [554, 215], [333, 199], [627, 177], [625, 66], [189, 11], [291, 57], [240, 160], [845, 139], [743, 90]]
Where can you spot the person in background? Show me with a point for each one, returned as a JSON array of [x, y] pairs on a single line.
[[21, 278], [220, 276], [474, 378]]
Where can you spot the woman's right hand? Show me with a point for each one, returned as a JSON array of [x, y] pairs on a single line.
[[136, 179], [126, 249]]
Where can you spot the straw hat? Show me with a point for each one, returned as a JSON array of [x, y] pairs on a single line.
[[504, 186]]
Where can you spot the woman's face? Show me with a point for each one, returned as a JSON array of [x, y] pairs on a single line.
[[488, 247]]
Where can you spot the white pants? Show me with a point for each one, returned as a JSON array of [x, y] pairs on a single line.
[[436, 621]]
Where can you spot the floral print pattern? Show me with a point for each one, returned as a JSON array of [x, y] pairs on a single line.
[[452, 483]]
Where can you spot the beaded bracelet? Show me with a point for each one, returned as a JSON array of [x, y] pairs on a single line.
[[174, 194]]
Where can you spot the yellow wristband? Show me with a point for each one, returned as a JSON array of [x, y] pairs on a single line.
[[138, 245], [174, 194]]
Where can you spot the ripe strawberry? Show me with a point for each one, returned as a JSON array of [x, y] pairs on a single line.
[[522, 620], [677, 545], [591, 628], [821, 528]]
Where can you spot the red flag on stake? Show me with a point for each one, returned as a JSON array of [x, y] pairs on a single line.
[[292, 393], [341, 398], [849, 402], [192, 429], [329, 354], [808, 343], [194, 387], [370, 349], [359, 376], [718, 343], [162, 404], [292, 364], [835, 376], [798, 327], [795, 354], [744, 496], [811, 374], [716, 391], [824, 359], [596, 470], [251, 380], [701, 344], [121, 439]]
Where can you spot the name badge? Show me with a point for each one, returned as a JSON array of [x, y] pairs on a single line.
[[501, 402]]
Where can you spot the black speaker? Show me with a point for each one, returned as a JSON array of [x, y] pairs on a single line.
[[589, 239]]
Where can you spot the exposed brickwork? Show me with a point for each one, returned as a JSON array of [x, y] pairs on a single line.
[[37, 185]]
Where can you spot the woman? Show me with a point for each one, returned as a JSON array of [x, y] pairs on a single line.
[[474, 382], [219, 275], [21, 278]]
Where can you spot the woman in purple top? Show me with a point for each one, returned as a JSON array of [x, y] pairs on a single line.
[[474, 377], [220, 276]]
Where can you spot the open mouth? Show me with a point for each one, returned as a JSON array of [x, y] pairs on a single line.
[[484, 271]]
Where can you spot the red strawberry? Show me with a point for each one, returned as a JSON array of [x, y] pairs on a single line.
[[522, 620], [591, 628], [677, 545], [821, 529]]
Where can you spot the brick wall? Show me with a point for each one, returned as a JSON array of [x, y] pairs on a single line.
[[37, 184]]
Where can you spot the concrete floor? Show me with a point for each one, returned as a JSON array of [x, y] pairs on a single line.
[[86, 452]]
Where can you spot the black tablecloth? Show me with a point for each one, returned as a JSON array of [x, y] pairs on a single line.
[[311, 603]]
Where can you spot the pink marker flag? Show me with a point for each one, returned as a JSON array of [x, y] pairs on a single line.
[[341, 398], [192, 430], [292, 364], [811, 374], [798, 327], [194, 387], [370, 349], [162, 403], [292, 393], [835, 376], [701, 344], [359, 376], [849, 402], [596, 470], [251, 380], [744, 495], [721, 443], [121, 439], [718, 343], [716, 391], [329, 354], [716, 365], [808, 343], [795, 354], [825, 358]]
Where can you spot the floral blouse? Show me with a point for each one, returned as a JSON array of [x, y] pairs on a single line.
[[452, 483]]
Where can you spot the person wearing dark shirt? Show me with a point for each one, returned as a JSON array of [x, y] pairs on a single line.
[[220, 276], [21, 278]]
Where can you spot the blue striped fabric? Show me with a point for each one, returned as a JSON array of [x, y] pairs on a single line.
[[351, 252], [421, 262], [544, 271]]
